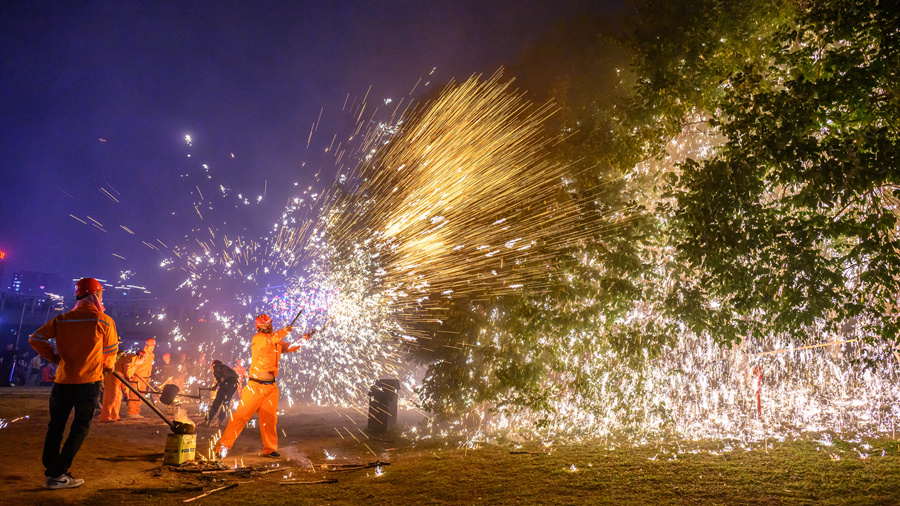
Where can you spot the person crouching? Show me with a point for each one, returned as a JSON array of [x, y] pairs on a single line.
[[227, 381]]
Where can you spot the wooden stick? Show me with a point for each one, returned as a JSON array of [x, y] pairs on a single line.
[[153, 490], [337, 468], [213, 491], [276, 470], [295, 318], [226, 471], [307, 482]]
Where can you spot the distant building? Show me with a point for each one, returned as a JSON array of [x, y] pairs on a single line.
[[36, 283], [2, 265]]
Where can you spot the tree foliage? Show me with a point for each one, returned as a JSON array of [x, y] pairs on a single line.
[[786, 225], [792, 225]]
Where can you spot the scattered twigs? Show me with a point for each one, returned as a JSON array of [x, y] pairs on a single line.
[[213, 491], [249, 470], [197, 467]]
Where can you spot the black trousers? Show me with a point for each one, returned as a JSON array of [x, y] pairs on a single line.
[[223, 394], [64, 399]]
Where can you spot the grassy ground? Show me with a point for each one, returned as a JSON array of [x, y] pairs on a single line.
[[440, 473], [121, 464]]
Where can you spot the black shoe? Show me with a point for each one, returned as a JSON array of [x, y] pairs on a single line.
[[274, 455]]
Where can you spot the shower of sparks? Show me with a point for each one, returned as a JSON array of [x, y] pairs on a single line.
[[455, 199], [697, 390], [458, 202], [4, 423], [772, 389], [448, 199]]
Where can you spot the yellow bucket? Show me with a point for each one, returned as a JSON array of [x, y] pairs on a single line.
[[180, 448]]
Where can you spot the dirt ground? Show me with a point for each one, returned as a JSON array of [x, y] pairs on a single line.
[[328, 459], [125, 457]]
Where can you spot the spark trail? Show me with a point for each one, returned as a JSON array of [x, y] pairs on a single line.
[[463, 200]]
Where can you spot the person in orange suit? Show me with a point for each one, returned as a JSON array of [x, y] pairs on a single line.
[[86, 343], [142, 378], [242, 376], [260, 396], [112, 387]]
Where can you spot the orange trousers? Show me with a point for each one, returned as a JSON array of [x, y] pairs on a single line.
[[112, 398], [261, 400], [134, 402]]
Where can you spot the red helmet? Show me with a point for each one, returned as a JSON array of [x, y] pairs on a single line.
[[85, 286], [263, 320]]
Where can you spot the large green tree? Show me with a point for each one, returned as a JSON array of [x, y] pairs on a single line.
[[791, 226]]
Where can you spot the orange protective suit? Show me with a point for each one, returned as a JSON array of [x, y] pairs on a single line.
[[86, 341], [112, 387], [142, 376], [260, 398]]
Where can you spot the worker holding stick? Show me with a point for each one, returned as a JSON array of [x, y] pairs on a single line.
[[260, 396], [227, 381], [142, 373], [126, 364], [86, 346]]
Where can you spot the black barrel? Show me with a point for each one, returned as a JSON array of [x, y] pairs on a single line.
[[383, 405]]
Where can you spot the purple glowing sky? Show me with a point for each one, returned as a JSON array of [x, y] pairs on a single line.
[[243, 78]]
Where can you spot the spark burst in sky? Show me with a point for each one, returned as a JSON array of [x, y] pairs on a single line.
[[458, 197]]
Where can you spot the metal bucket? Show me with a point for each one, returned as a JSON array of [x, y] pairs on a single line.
[[383, 398], [180, 448]]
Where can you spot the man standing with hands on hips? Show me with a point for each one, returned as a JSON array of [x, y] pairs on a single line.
[[260, 396], [86, 346]]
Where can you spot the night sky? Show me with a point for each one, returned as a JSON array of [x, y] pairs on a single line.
[[100, 96]]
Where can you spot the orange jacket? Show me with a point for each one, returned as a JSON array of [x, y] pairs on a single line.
[[127, 364], [86, 340], [266, 350], [145, 366]]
